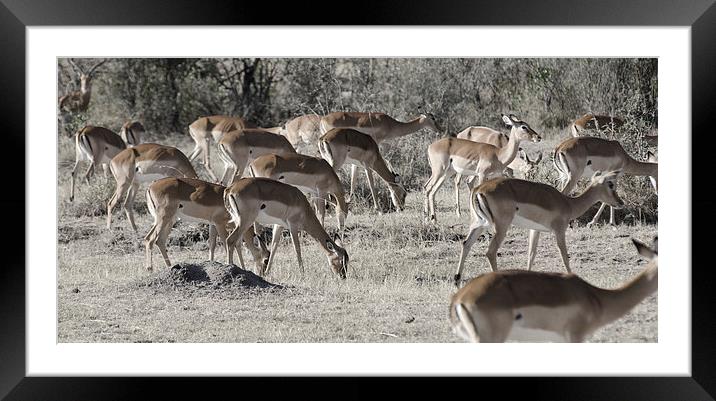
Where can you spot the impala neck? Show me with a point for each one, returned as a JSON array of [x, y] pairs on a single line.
[[635, 167], [508, 153], [85, 86], [580, 204], [406, 128], [313, 227], [616, 303], [381, 168]]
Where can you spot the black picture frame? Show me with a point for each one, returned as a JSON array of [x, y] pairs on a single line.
[[16, 15]]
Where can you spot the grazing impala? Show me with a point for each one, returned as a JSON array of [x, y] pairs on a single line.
[[145, 162], [594, 122], [345, 145], [581, 157], [473, 158], [240, 147], [533, 306], [503, 202], [98, 145], [78, 101], [380, 126], [268, 201], [303, 131], [172, 198], [204, 129], [521, 163], [309, 174], [132, 132]]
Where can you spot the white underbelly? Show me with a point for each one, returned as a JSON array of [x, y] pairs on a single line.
[[265, 219], [522, 222], [188, 219], [599, 164], [140, 177]]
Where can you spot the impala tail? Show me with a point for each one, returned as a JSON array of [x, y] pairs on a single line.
[[469, 330], [84, 145], [479, 208], [325, 150], [151, 204]]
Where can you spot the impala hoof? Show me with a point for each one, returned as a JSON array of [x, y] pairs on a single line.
[[456, 279]]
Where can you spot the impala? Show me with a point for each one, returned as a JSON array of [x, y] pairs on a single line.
[[345, 145], [594, 122], [473, 158], [303, 131], [268, 201], [98, 145], [145, 162], [132, 132], [501, 203], [240, 147], [522, 163], [380, 126], [534, 306], [188, 199], [78, 101], [581, 157], [204, 129], [309, 174]]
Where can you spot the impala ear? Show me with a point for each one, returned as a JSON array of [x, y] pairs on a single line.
[[506, 120], [644, 250], [522, 154], [329, 246], [337, 240]]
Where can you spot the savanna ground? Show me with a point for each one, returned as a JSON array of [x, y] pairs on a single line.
[[398, 288], [400, 272]]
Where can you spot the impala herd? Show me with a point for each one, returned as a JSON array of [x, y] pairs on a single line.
[[265, 179]]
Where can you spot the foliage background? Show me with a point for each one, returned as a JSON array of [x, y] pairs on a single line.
[[166, 95]]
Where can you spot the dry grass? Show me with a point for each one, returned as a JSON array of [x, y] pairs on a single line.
[[398, 287]]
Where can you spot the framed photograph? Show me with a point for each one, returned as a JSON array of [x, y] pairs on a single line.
[[80, 302]]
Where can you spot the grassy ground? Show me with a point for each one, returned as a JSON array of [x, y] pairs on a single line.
[[398, 288]]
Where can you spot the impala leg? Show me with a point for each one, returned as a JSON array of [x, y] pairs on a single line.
[[89, 172], [353, 181], [297, 247], [560, 235], [596, 216], [105, 168], [476, 229], [121, 190], [233, 240], [194, 153], [612, 222], [227, 168], [72, 180], [276, 238], [149, 240], [431, 195], [371, 185], [207, 158], [158, 234], [212, 241], [532, 250], [500, 233], [128, 205], [458, 177]]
